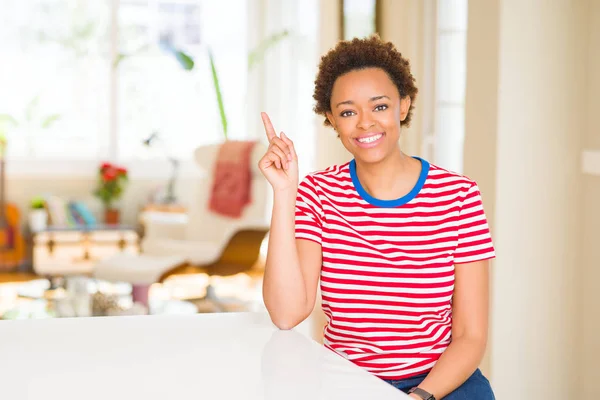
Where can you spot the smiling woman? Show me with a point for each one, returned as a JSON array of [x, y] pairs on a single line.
[[401, 246]]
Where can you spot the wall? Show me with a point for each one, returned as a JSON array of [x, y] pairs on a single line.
[[481, 120], [590, 324], [526, 111]]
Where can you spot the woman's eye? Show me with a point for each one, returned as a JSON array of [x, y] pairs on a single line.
[[381, 107], [346, 113]]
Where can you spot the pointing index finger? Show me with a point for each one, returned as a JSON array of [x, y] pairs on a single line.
[[268, 126]]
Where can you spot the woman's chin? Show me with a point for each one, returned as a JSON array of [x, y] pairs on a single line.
[[371, 156]]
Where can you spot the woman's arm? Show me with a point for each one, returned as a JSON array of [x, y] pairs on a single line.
[[469, 330], [292, 268]]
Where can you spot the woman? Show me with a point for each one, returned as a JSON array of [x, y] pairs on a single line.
[[401, 246]]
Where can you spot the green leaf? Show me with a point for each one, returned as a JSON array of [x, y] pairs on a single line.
[[120, 57], [218, 93], [258, 54], [185, 60], [37, 203], [8, 120], [84, 31], [31, 108], [49, 120]]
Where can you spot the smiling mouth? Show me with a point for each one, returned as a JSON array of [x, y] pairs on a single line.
[[369, 141]]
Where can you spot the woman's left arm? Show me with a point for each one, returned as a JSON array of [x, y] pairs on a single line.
[[470, 308]]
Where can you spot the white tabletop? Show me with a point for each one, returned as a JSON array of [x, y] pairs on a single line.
[[209, 356]]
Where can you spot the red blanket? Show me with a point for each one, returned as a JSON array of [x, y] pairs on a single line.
[[231, 188]]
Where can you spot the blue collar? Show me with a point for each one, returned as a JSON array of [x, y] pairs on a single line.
[[390, 203]]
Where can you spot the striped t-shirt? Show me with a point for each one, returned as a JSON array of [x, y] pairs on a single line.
[[387, 277]]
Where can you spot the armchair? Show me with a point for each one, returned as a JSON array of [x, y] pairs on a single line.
[[202, 238]]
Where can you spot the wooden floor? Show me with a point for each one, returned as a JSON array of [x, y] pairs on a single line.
[[15, 277]]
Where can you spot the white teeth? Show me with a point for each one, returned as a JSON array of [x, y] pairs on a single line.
[[370, 139]]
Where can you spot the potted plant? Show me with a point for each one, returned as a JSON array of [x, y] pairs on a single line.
[[111, 183], [38, 216]]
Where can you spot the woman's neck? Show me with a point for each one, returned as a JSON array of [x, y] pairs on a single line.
[[391, 178]]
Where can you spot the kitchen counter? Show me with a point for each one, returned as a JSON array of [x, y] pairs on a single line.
[[175, 357]]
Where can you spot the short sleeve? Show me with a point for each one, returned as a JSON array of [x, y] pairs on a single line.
[[474, 238], [308, 211]]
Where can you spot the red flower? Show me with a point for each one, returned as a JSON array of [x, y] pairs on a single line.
[[109, 174], [112, 179]]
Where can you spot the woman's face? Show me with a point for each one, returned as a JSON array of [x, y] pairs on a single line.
[[366, 111]]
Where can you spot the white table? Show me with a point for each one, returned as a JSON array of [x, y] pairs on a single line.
[[174, 357]]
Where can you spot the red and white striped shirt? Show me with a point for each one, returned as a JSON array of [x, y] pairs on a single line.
[[387, 277]]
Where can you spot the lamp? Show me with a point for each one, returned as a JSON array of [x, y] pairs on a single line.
[[170, 197]]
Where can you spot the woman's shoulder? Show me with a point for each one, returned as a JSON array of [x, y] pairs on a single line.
[[444, 177], [337, 172]]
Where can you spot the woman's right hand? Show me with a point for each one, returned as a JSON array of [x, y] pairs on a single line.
[[280, 163]]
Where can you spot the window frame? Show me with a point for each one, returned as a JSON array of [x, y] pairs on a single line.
[[152, 168], [430, 148]]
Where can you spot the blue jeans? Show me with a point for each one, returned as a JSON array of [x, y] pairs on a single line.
[[477, 387]]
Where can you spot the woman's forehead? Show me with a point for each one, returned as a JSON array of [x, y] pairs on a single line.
[[364, 84]]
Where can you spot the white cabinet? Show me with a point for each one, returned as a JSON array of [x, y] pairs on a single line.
[[76, 250]]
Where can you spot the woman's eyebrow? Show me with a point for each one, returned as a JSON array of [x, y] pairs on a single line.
[[375, 98], [383, 96]]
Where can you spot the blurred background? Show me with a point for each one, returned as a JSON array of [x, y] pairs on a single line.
[[112, 114]]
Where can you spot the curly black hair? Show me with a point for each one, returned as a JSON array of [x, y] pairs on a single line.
[[371, 52]]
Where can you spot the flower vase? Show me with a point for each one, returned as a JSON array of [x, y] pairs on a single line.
[[111, 216]]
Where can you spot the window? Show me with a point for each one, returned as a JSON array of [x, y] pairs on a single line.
[[157, 94], [283, 84], [359, 18], [450, 77], [65, 99], [54, 101]]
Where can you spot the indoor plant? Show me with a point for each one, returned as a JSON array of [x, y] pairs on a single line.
[[111, 183], [38, 216], [186, 61], [254, 58]]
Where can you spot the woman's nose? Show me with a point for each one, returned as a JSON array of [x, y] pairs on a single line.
[[365, 122]]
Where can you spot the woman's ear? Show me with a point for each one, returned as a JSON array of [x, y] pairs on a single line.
[[329, 116], [404, 107]]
